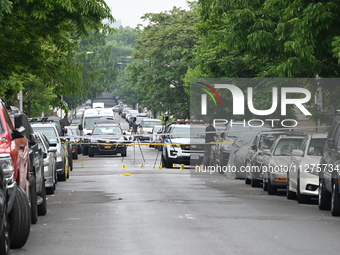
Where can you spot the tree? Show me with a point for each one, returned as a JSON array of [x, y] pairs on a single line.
[[38, 37], [161, 61]]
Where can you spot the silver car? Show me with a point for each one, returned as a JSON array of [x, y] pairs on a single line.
[[50, 157]]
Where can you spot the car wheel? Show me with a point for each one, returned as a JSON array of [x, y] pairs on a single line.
[[19, 220], [42, 208], [4, 235], [90, 153], [264, 184], [302, 199], [85, 150], [324, 197], [271, 189], [33, 200], [254, 183], [166, 162], [335, 203], [247, 180], [62, 177]]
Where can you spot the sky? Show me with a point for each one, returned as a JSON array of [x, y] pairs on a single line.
[[130, 11]]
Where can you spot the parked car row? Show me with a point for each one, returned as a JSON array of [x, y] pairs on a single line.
[[306, 166], [28, 171]]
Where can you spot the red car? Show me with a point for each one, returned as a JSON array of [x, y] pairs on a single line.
[[14, 159]]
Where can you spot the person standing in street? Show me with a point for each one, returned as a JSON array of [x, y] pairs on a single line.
[[210, 136]]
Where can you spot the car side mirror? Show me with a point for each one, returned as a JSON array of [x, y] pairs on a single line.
[[222, 135], [254, 147], [18, 120], [266, 151], [16, 134], [298, 153], [80, 127]]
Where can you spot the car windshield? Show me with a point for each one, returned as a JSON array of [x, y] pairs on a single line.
[[316, 146], [107, 130], [238, 129], [72, 131], [286, 145], [188, 132], [267, 140], [89, 122], [49, 132], [149, 124]]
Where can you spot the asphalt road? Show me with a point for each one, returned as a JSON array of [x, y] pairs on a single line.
[[105, 209]]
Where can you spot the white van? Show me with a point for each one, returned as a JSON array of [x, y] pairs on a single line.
[[98, 105], [90, 115]]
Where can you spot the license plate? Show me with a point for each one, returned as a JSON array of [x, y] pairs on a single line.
[[194, 157], [107, 147]]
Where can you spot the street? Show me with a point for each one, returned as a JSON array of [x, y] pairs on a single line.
[[105, 209]]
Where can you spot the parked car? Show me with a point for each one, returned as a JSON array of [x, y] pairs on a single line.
[[107, 139], [303, 178], [4, 224], [184, 144], [156, 137], [238, 155], [229, 135], [50, 131], [329, 192], [50, 157], [276, 161], [146, 126], [74, 140], [254, 157], [37, 179], [14, 160]]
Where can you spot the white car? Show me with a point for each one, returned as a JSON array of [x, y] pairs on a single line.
[[303, 176], [276, 161], [146, 126], [184, 144]]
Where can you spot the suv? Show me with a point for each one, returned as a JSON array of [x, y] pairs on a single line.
[[14, 160], [184, 144], [329, 194], [107, 138], [37, 177]]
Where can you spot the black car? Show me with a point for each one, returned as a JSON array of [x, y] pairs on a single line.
[[329, 192], [4, 224], [107, 139]]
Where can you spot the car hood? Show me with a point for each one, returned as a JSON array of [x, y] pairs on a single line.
[[280, 160]]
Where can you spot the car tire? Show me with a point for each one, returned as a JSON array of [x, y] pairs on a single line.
[[4, 235], [335, 203], [264, 185], [19, 220], [166, 162], [254, 183], [42, 208], [85, 150], [324, 197], [62, 177], [90, 153], [33, 200], [271, 189], [247, 180]]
